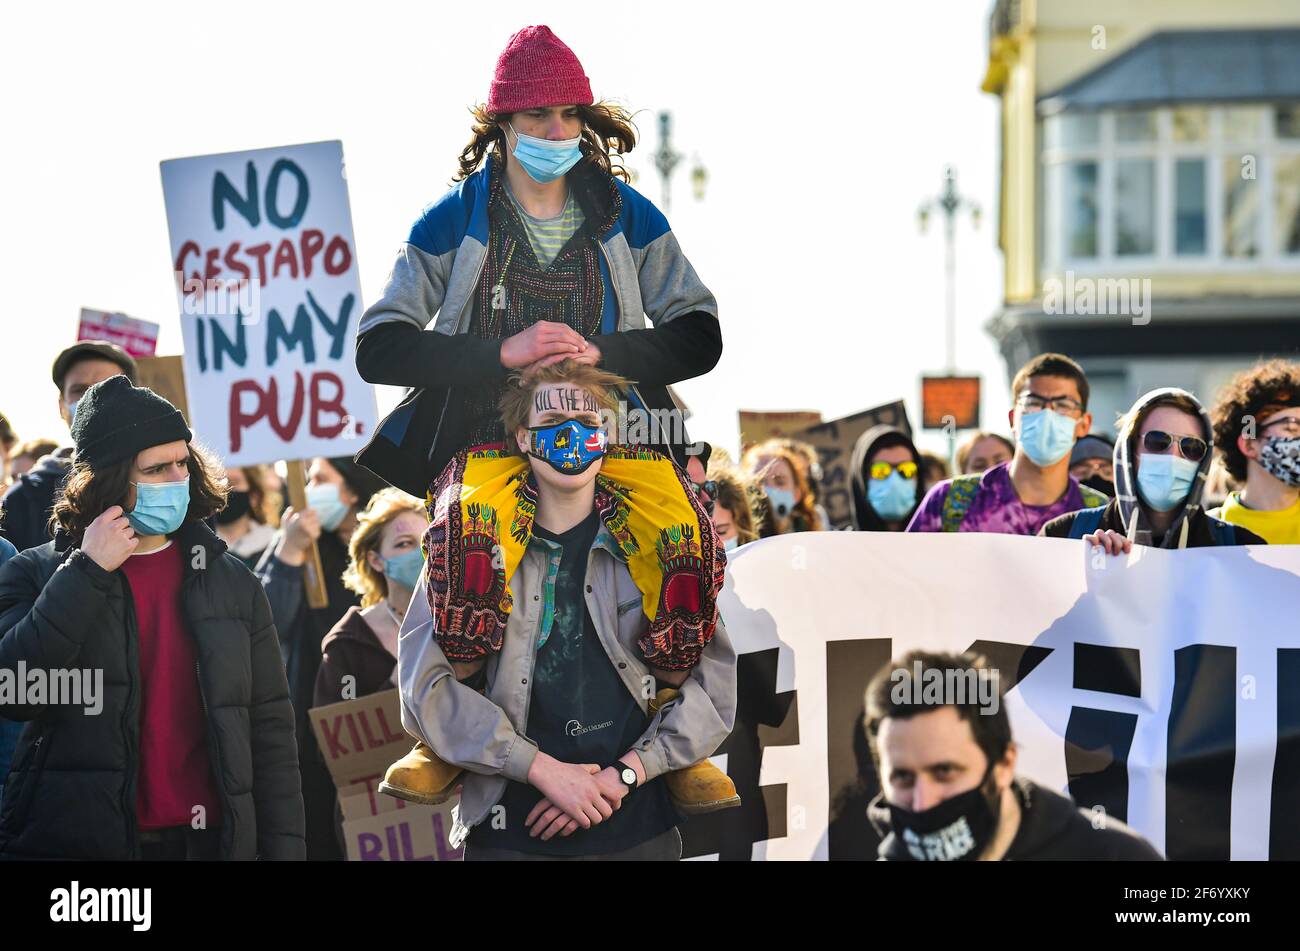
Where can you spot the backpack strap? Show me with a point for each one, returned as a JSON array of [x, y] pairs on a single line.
[[1086, 521], [961, 492], [1222, 532]]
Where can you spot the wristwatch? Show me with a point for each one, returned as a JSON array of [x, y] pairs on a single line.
[[625, 773]]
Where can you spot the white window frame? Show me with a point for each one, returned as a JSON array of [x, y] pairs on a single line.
[[1164, 152]]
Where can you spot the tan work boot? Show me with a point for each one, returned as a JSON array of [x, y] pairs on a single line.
[[421, 776], [697, 789]]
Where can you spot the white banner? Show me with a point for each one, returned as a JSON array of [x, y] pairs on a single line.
[[1163, 687], [266, 275]]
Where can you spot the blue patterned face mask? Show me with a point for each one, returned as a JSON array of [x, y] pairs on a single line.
[[570, 446], [160, 507], [545, 160]]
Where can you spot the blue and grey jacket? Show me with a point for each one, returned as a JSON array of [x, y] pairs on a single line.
[[418, 334]]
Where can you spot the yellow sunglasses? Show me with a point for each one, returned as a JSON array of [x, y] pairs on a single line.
[[881, 470]]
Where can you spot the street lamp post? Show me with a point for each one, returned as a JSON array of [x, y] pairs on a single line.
[[950, 203], [667, 159]]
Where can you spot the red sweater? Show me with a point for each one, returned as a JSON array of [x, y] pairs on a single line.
[[175, 773]]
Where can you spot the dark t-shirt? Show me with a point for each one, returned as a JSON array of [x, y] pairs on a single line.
[[580, 712]]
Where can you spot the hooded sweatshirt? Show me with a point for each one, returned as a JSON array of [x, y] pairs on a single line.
[[1052, 828], [865, 518], [1191, 527]]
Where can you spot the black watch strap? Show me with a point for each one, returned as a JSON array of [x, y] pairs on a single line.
[[625, 773]]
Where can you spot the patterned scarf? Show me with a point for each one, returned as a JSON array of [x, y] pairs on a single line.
[[481, 511]]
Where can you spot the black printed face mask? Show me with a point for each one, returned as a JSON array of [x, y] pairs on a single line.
[[956, 830]]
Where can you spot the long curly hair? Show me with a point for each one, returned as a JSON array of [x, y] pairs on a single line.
[[360, 576], [608, 134], [88, 493], [1257, 393], [757, 459]]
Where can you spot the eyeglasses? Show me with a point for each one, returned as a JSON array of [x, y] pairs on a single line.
[[706, 492], [1191, 448], [1291, 424], [881, 470], [1033, 403]]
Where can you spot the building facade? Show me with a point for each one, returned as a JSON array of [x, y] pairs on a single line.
[[1149, 206]]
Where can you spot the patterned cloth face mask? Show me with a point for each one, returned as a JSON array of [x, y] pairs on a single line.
[[1280, 458], [570, 446]]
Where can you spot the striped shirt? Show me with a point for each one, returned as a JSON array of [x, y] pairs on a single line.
[[549, 235]]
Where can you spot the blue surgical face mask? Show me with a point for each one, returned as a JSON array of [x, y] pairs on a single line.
[[570, 446], [1163, 481], [780, 500], [324, 498], [545, 160], [160, 507], [72, 412], [729, 543], [1046, 436], [892, 497], [405, 568]]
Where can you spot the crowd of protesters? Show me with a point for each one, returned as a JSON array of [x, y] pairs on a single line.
[[128, 548]]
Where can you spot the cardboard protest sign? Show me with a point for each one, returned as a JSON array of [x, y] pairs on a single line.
[[137, 337], [415, 834], [265, 265], [755, 426], [361, 738], [1155, 688], [834, 443], [166, 377]]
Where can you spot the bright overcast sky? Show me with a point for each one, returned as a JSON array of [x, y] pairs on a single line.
[[823, 127]]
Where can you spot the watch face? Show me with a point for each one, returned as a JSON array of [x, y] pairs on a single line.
[[629, 775]]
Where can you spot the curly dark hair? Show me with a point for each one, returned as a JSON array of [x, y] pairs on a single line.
[[1255, 393], [607, 135], [88, 493]]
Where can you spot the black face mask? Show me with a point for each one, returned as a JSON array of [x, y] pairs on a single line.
[[1095, 481], [956, 830], [237, 506]]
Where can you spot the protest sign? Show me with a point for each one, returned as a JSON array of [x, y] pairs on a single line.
[[359, 738], [1157, 688], [415, 834], [950, 402], [834, 443], [137, 337], [166, 377], [755, 425], [265, 264]]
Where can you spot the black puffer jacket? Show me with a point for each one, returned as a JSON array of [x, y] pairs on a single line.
[[72, 791]]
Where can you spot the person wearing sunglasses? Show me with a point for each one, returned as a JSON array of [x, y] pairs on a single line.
[[1257, 433], [887, 479], [1161, 460]]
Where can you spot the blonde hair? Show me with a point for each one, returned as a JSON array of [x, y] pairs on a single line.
[[384, 506], [517, 400], [805, 510]]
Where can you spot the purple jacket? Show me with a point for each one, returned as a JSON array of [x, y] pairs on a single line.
[[997, 508]]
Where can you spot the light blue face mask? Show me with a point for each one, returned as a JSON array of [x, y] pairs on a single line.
[[729, 543], [1163, 481], [545, 160], [160, 507], [324, 498], [1046, 436], [781, 501], [892, 497], [405, 568], [72, 412]]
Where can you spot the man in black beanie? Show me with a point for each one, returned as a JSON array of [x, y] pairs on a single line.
[[337, 489], [191, 752]]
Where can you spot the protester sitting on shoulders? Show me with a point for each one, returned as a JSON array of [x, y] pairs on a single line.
[[1161, 460]]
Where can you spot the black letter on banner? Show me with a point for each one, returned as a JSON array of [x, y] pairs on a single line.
[[1097, 742], [851, 776], [1283, 829], [763, 718], [1202, 754]]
